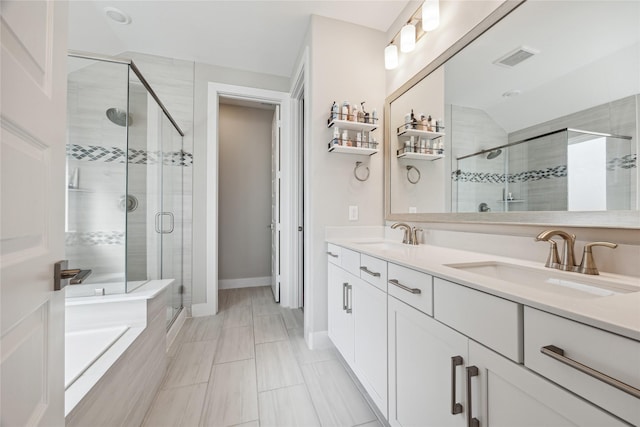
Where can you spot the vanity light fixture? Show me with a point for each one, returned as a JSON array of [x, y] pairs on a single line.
[[430, 15], [408, 38], [116, 15], [391, 57]]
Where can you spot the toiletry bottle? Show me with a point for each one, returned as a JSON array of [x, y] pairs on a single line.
[[365, 117], [440, 147], [359, 139], [414, 121], [407, 121], [428, 147], [412, 143], [438, 125], [334, 111], [407, 146], [345, 139], [336, 136], [345, 111], [354, 114], [429, 124], [374, 116], [423, 122]]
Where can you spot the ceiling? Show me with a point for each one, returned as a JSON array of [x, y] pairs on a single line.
[[262, 36]]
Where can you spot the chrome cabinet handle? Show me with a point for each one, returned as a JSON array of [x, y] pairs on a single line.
[[344, 295], [366, 270], [349, 298], [472, 371], [558, 354], [456, 408], [331, 254], [394, 282]]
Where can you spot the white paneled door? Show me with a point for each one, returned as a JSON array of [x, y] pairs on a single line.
[[275, 204], [33, 125]]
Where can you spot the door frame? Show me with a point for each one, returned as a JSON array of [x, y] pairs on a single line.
[[214, 92]]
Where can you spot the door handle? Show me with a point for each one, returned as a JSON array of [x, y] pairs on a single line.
[[456, 408], [345, 286], [159, 229], [63, 275], [472, 371], [349, 298]]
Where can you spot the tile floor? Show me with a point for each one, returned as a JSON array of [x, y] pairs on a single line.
[[250, 366]]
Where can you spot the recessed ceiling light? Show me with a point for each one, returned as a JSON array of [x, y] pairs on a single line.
[[511, 93], [117, 15]]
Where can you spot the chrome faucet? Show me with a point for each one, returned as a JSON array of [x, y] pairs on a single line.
[[407, 230], [568, 262]]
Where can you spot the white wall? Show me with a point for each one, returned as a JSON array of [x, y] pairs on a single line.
[[346, 63], [244, 202]]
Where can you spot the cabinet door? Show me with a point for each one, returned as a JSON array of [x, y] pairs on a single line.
[[340, 296], [421, 369], [507, 394], [370, 357]]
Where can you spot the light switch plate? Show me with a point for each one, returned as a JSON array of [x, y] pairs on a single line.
[[353, 213]]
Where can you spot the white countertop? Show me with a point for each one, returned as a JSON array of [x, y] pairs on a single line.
[[619, 314]]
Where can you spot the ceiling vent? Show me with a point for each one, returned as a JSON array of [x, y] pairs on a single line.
[[516, 56]]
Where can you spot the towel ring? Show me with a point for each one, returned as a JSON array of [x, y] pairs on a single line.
[[355, 172], [409, 168]]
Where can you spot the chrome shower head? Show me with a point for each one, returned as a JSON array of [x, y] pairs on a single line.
[[118, 116], [493, 154]]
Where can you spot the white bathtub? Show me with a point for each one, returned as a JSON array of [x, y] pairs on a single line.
[[98, 330], [83, 348]]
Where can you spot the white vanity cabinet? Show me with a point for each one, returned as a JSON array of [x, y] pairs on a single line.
[[426, 369], [357, 323], [503, 393]]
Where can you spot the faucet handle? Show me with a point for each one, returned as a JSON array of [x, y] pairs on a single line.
[[588, 264], [553, 259], [414, 236]]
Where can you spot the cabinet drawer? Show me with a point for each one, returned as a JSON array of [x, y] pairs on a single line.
[[350, 261], [333, 253], [412, 287], [374, 271], [492, 321], [615, 356]]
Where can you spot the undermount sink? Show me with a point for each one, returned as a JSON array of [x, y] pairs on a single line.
[[558, 282]]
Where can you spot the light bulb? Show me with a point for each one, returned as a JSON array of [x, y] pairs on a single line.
[[408, 38], [430, 15], [390, 57]]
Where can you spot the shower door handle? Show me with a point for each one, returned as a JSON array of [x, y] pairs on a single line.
[[159, 228]]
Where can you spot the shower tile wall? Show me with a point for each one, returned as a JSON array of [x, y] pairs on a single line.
[[173, 82], [474, 130]]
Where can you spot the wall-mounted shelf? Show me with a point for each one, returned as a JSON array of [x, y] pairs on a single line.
[[419, 133], [405, 153], [367, 148], [353, 125]]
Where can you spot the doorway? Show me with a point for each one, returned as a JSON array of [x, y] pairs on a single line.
[[249, 219]]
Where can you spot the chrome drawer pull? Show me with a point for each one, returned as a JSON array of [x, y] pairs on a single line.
[[349, 307], [456, 408], [345, 286], [366, 270], [332, 254], [394, 282], [472, 371], [558, 354]]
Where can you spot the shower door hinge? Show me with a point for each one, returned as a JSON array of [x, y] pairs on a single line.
[[181, 289]]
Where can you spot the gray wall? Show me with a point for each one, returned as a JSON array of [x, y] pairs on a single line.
[[244, 200]]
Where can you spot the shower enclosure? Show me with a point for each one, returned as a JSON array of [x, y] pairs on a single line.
[[125, 169]]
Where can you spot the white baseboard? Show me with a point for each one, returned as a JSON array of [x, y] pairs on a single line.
[[319, 340], [249, 282], [203, 309]]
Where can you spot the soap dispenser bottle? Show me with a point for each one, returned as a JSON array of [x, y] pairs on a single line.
[[334, 111], [362, 114]]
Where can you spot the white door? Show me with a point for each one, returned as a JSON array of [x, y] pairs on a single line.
[[33, 126], [275, 204]]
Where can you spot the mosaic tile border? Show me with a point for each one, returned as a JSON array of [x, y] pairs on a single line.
[[94, 238], [94, 153], [629, 161]]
